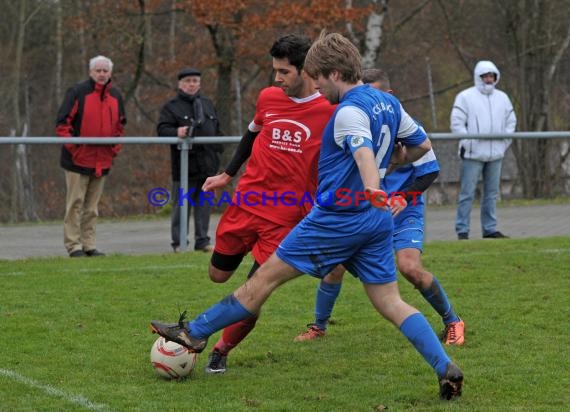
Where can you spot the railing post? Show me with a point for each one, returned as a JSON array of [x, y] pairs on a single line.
[[185, 145]]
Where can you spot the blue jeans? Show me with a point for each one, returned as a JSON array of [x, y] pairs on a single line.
[[470, 173]]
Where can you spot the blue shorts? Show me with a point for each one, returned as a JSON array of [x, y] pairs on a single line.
[[361, 241], [409, 233]]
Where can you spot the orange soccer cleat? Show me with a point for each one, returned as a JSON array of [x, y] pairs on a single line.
[[454, 333], [312, 333]]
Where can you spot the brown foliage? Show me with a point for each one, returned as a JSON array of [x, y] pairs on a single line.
[[150, 40]]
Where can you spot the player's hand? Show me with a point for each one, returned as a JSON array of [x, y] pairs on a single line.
[[216, 182], [378, 198], [397, 204]]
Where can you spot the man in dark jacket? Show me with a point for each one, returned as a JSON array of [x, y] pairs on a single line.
[[190, 112], [92, 108]]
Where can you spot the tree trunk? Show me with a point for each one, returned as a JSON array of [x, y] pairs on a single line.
[[223, 44], [373, 35], [82, 43], [540, 54], [132, 87], [58, 53], [172, 32], [16, 203]]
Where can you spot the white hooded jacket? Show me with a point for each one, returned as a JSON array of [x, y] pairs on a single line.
[[483, 109]]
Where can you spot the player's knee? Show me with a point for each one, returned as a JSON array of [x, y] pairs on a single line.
[[412, 271], [219, 276], [335, 275], [223, 266]]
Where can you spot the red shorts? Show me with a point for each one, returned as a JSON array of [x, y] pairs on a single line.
[[240, 231]]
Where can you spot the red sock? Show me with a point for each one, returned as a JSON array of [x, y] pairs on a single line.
[[234, 334]]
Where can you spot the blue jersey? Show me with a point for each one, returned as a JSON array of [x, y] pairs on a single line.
[[364, 117], [401, 178], [353, 233]]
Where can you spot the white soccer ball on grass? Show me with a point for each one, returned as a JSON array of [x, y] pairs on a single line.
[[171, 360]]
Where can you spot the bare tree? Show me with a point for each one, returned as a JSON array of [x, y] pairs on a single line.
[[22, 198], [140, 63], [373, 36], [223, 41], [172, 31], [58, 52], [528, 40], [82, 42], [540, 37]]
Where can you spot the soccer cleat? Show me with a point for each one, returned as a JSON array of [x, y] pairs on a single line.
[[454, 333], [312, 333], [179, 333], [216, 362], [450, 383]]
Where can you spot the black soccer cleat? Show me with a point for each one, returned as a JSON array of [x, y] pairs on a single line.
[[216, 362], [179, 333], [451, 383]]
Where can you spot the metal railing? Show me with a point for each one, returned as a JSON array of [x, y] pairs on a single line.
[[186, 144]]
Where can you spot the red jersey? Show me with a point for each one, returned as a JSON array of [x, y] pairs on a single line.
[[281, 173]]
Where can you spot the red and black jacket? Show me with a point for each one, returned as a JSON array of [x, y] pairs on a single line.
[[90, 110]]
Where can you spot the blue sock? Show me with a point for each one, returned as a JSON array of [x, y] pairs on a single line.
[[326, 298], [436, 297], [418, 331], [226, 312]]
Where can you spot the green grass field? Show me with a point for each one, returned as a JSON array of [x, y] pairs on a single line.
[[74, 336]]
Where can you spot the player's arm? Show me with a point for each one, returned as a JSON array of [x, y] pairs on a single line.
[[419, 185], [425, 171], [245, 146], [352, 133], [361, 149], [366, 163], [408, 195], [413, 153], [241, 154], [414, 139]]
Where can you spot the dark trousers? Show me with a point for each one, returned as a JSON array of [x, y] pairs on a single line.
[[201, 214]]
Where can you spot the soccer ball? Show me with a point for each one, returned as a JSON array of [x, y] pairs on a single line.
[[171, 360]]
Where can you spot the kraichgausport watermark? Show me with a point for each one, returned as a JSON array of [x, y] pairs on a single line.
[[341, 197]]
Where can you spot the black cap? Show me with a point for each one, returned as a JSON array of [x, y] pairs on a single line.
[[188, 71]]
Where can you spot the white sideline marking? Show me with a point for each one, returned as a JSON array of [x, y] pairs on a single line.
[[112, 270], [138, 268], [79, 400], [556, 250]]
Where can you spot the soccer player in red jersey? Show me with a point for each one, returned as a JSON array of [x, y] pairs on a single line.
[[282, 144]]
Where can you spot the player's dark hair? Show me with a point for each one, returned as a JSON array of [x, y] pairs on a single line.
[[376, 75], [293, 47]]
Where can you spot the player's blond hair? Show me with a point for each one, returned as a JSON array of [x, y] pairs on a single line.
[[332, 52]]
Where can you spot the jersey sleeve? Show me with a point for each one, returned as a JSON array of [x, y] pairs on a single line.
[[350, 121], [260, 109], [426, 164], [409, 132]]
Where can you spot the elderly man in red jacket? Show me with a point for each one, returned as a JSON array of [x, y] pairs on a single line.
[[92, 108]]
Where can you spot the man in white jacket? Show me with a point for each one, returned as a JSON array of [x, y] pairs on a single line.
[[481, 109]]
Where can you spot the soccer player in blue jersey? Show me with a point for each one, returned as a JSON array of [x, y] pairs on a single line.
[[406, 182], [353, 227]]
